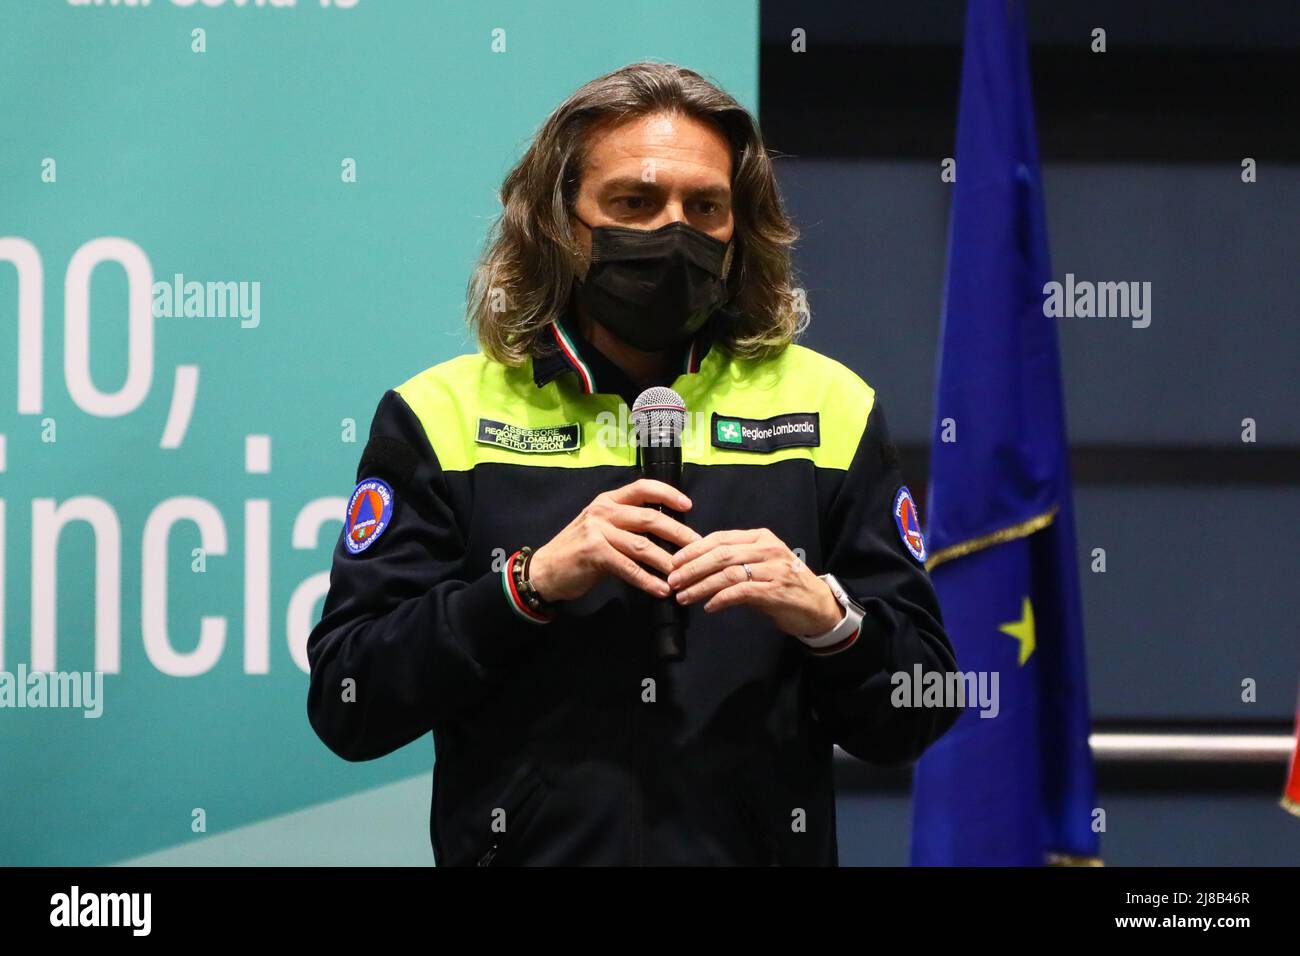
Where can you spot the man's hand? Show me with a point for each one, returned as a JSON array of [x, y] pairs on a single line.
[[609, 537], [783, 587]]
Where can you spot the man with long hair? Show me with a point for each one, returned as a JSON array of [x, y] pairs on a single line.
[[500, 559]]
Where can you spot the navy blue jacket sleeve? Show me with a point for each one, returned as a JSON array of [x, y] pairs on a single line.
[[405, 639], [902, 624]]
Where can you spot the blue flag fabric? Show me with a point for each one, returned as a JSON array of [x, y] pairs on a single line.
[[1012, 782]]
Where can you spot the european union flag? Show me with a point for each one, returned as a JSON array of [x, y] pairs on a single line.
[[1010, 784]]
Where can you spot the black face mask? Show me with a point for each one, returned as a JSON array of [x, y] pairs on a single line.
[[654, 288]]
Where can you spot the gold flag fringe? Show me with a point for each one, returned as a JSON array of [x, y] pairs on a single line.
[[1022, 530], [1068, 859]]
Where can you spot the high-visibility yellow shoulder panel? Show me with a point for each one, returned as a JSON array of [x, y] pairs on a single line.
[[798, 380], [451, 398]]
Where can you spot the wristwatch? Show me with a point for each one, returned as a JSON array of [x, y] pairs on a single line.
[[844, 632]]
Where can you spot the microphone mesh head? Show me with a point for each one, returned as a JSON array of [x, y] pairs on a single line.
[[658, 417]]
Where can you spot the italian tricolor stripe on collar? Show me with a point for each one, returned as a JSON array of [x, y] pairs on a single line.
[[588, 382], [692, 365]]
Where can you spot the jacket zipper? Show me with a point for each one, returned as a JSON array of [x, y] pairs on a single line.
[[532, 792], [638, 812], [642, 768]]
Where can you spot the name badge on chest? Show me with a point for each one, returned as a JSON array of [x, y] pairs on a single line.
[[533, 441]]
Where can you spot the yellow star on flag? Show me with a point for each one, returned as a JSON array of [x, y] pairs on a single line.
[[1023, 631]]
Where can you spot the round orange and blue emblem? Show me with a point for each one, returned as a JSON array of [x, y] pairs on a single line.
[[908, 520], [369, 512]]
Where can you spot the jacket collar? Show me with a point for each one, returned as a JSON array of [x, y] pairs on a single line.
[[594, 371]]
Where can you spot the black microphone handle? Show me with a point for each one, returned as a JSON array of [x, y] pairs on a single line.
[[667, 617]]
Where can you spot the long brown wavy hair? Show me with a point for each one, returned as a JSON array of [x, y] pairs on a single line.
[[525, 276]]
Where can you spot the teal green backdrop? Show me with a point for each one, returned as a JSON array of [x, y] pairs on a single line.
[[126, 158]]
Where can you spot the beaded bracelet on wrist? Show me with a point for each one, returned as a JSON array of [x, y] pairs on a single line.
[[533, 604]]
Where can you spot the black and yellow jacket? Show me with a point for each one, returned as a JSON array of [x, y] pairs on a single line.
[[569, 742]]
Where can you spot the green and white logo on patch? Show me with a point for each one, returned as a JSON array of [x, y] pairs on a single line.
[[766, 435], [728, 430]]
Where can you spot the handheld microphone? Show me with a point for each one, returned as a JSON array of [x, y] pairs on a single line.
[[658, 420]]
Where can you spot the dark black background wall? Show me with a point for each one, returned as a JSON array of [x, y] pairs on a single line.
[[1142, 148]]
